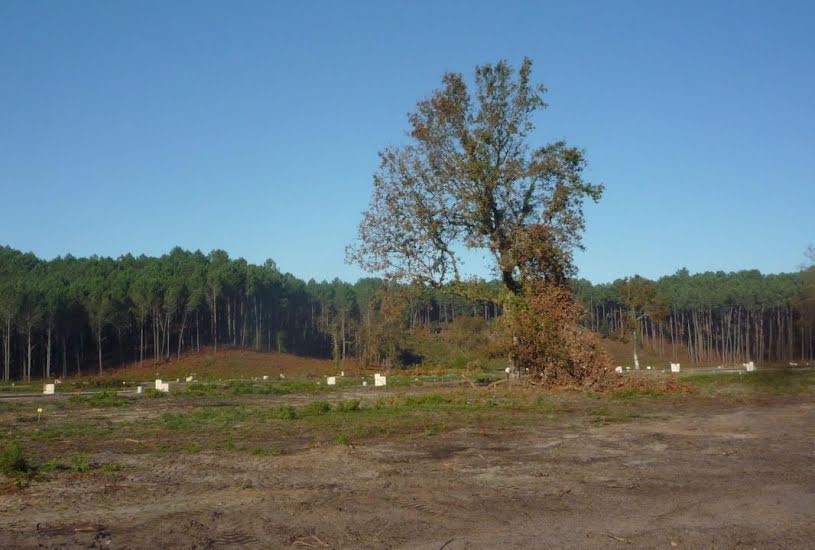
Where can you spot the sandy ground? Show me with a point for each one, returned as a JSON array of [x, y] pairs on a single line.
[[728, 476]]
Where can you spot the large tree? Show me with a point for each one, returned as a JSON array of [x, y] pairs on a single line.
[[470, 178]]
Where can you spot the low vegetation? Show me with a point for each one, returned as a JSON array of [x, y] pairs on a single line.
[[196, 422]]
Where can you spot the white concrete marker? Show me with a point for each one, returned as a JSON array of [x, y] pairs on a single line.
[[265, 377], [364, 382], [648, 367], [675, 367], [165, 387], [342, 373], [331, 381], [139, 389], [750, 366], [158, 384], [48, 389], [618, 369], [189, 379], [380, 380]]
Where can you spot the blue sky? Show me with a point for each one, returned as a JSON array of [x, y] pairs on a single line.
[[254, 126]]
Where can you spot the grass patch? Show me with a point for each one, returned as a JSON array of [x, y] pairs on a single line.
[[266, 451], [12, 461], [427, 399], [20, 388], [254, 387], [73, 430], [101, 399], [351, 405], [631, 394], [768, 382], [317, 408], [79, 463], [206, 418]]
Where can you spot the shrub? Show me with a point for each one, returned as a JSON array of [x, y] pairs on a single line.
[[348, 406], [80, 463], [316, 408], [286, 412], [12, 461]]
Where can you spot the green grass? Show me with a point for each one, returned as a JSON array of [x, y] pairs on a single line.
[[71, 430], [24, 387], [316, 408], [107, 398], [343, 421], [768, 382], [254, 387], [12, 461], [79, 463], [266, 451], [626, 395], [349, 406]]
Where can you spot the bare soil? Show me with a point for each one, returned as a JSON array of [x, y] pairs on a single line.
[[689, 474]]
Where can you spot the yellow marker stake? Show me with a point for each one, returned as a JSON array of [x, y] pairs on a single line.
[[39, 412]]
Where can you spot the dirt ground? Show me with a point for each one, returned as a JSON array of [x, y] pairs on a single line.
[[716, 475]]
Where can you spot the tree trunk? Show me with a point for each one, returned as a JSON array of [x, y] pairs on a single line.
[[99, 347], [181, 334], [28, 359], [48, 354]]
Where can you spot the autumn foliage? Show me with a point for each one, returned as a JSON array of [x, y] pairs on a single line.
[[546, 340]]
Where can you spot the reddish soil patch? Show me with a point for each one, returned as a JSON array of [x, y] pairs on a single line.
[[230, 364]]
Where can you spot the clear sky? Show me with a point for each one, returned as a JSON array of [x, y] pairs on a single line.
[[254, 126]]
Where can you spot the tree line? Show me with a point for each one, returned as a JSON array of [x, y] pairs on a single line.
[[73, 315], [711, 317]]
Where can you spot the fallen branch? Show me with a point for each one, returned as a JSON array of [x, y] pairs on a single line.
[[618, 539]]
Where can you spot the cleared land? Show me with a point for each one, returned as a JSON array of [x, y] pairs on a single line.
[[424, 463]]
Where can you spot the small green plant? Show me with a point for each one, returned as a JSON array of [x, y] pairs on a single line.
[[431, 431], [317, 408], [286, 412], [344, 439], [80, 463], [111, 468], [12, 461], [351, 405], [600, 411], [50, 466], [266, 451], [153, 393]]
